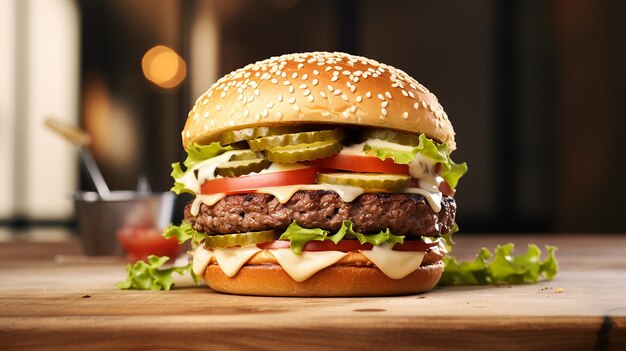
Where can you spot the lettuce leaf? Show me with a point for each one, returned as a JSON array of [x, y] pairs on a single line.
[[183, 233], [501, 267], [195, 154], [149, 276], [451, 172], [300, 236]]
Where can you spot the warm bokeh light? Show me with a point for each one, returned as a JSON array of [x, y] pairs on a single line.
[[163, 67]]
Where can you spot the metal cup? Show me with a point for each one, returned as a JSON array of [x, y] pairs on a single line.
[[99, 220]]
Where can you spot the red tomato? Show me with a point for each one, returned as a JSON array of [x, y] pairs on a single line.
[[358, 163], [247, 183], [140, 243], [343, 245]]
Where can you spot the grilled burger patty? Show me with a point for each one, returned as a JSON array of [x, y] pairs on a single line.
[[371, 212]]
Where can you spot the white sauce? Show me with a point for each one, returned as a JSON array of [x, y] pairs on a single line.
[[232, 259], [395, 264], [302, 267], [201, 259]]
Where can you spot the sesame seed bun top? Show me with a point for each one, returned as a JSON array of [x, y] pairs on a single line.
[[317, 88]]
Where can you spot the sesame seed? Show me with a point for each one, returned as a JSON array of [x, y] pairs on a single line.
[[346, 113], [286, 82], [353, 109], [187, 134], [300, 65], [404, 93], [424, 104], [257, 92], [302, 86], [291, 100], [305, 76], [257, 117], [291, 89], [323, 94], [294, 75], [356, 79], [353, 88], [274, 80], [316, 72], [388, 94], [279, 97], [405, 115], [368, 94], [218, 107], [359, 98], [283, 74], [296, 107], [344, 97], [306, 92], [310, 98], [264, 113], [334, 78], [270, 104], [206, 115], [381, 97], [338, 68], [315, 82], [416, 105], [384, 104], [246, 112], [346, 73], [325, 114], [195, 116], [358, 73], [330, 88], [336, 92], [205, 101], [250, 98], [328, 68], [384, 111], [411, 95]]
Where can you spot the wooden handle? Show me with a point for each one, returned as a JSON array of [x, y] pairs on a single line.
[[71, 133]]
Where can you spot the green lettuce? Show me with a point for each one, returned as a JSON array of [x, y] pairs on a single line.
[[299, 236], [451, 172], [501, 267], [183, 233], [149, 276], [195, 154]]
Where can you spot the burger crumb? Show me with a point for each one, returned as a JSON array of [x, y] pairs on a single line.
[[86, 296], [420, 297], [558, 290]]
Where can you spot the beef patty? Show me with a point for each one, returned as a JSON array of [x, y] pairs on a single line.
[[370, 213]]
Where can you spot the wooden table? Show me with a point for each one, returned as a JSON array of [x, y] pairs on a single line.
[[71, 303]]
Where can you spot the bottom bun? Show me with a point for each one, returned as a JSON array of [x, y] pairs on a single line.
[[272, 280]]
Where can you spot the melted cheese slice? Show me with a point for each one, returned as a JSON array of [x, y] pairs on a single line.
[[201, 259], [232, 259], [395, 264], [302, 267]]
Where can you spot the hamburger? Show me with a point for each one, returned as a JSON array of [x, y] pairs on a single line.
[[318, 174]]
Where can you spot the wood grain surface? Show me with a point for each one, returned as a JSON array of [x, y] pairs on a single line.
[[57, 299]]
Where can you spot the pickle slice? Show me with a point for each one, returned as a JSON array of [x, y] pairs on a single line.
[[367, 180], [229, 240], [235, 136], [393, 137], [248, 155], [243, 167], [303, 152], [274, 141]]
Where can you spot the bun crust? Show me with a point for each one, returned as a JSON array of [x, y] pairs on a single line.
[[272, 280], [317, 88]]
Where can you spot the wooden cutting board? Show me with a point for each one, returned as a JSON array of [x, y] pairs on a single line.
[[72, 304]]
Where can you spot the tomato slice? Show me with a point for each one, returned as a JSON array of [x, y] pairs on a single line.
[[357, 163], [248, 183], [344, 245]]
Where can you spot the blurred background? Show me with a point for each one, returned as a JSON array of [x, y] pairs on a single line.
[[536, 91]]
